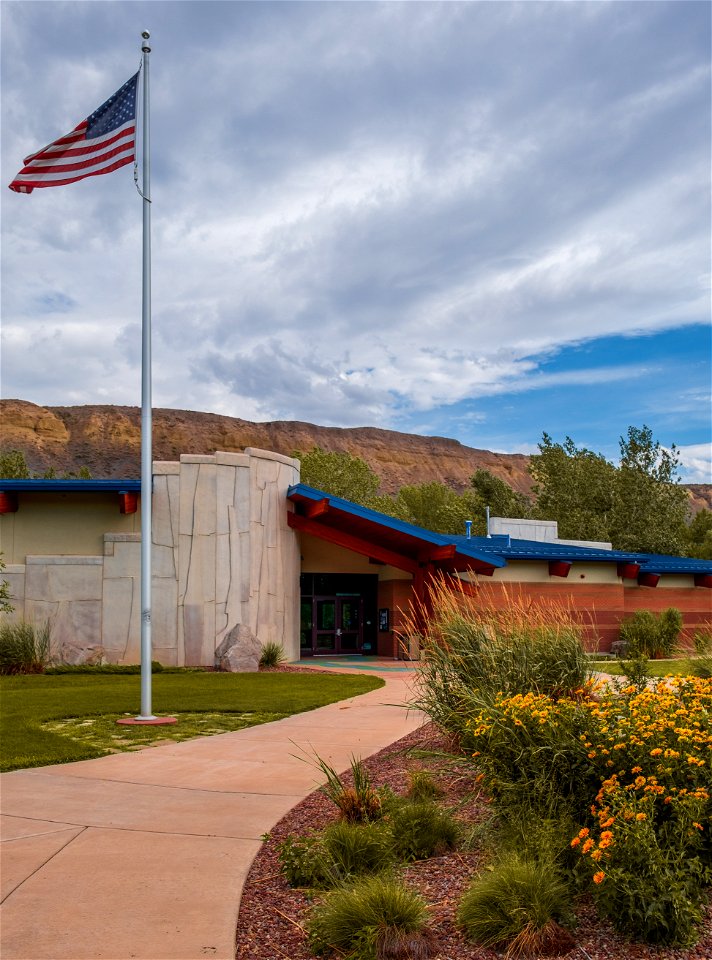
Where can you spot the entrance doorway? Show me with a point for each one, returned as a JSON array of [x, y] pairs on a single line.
[[338, 614]]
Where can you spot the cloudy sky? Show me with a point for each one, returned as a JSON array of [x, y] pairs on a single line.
[[480, 220]]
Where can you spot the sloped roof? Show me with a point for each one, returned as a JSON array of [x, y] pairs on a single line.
[[323, 514]]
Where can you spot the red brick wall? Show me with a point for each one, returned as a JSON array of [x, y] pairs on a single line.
[[395, 596], [600, 606]]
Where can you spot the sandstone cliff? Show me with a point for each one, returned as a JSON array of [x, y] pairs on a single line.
[[107, 440]]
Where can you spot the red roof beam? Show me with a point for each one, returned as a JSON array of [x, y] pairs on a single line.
[[365, 547]]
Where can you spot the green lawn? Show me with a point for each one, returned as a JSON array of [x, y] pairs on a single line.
[[48, 719], [656, 668]]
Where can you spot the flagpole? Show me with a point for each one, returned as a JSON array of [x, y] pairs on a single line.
[[146, 402], [146, 715]]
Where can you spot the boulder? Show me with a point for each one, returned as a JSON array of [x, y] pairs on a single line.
[[239, 651]]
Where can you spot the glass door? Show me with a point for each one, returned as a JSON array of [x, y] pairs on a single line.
[[332, 625]]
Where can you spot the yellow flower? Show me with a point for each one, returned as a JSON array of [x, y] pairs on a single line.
[[636, 770], [596, 855], [599, 877], [641, 816]]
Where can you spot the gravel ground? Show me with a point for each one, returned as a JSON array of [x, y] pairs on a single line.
[[272, 915]]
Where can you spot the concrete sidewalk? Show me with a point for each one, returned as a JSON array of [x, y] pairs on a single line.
[[144, 855]]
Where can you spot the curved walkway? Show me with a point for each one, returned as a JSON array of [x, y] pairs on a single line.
[[144, 855]]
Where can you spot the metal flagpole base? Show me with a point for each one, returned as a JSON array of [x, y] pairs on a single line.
[[146, 721]]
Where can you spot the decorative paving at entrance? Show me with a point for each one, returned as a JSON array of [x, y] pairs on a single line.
[[361, 663]]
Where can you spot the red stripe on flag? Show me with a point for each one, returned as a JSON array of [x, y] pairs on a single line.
[[20, 186], [96, 157], [91, 146]]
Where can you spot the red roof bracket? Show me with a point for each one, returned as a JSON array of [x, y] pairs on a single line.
[[703, 580], [8, 502], [648, 579], [628, 571], [128, 502], [559, 568], [317, 508]]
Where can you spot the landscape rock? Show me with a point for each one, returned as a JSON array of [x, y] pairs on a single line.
[[239, 651]]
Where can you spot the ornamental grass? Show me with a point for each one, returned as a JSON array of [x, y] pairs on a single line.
[[476, 646]]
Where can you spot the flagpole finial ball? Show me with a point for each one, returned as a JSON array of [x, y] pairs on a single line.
[[145, 34]]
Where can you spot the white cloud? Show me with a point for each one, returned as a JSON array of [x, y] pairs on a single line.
[[361, 211], [696, 462]]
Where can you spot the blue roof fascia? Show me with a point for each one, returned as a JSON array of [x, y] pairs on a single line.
[[660, 563], [401, 526], [71, 486]]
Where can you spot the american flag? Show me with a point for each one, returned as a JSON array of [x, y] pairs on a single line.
[[103, 142]]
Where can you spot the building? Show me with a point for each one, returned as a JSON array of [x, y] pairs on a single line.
[[238, 539]]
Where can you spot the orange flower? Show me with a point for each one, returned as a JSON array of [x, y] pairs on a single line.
[[583, 833], [587, 845], [575, 842], [599, 877]]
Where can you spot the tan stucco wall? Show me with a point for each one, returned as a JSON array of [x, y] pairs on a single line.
[[62, 524], [525, 571], [222, 551], [318, 556]]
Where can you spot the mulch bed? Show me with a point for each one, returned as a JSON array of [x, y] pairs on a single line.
[[272, 915]]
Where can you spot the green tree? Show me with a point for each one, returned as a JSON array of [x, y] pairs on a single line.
[[13, 466], [575, 487], [340, 474], [651, 506], [638, 505], [494, 493], [438, 507], [697, 537]]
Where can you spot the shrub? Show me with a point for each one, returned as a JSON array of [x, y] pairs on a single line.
[[358, 803], [24, 647], [648, 849], [474, 650], [518, 906], [531, 746], [702, 664], [420, 829], [356, 848], [305, 863], [336, 855], [272, 655], [422, 786], [375, 918], [637, 671], [647, 864], [649, 636]]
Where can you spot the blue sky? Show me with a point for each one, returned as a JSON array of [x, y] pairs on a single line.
[[479, 220]]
